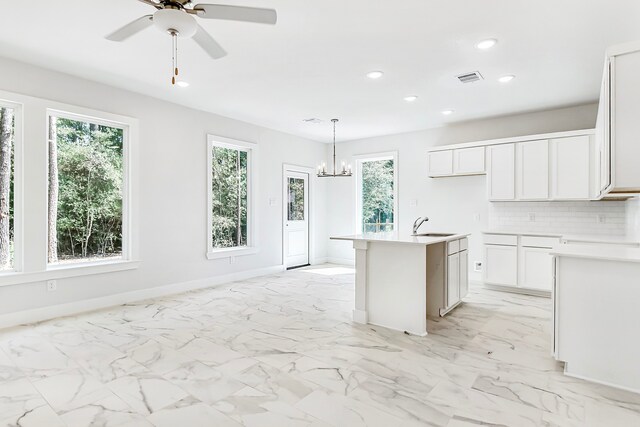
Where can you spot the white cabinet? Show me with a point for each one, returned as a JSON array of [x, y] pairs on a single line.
[[520, 262], [457, 280], [456, 162], [535, 268], [453, 279], [468, 161], [440, 163], [571, 168], [464, 273], [501, 265], [618, 127], [532, 170], [501, 172]]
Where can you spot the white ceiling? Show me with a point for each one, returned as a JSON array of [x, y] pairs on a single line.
[[313, 62]]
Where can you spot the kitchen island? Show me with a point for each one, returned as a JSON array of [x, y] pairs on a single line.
[[402, 279]]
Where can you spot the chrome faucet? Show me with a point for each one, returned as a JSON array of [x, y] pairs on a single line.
[[418, 222]]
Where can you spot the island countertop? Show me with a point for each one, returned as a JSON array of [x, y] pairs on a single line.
[[401, 238]]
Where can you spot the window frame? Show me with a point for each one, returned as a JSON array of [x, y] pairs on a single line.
[[18, 189], [128, 128], [363, 158], [252, 171]]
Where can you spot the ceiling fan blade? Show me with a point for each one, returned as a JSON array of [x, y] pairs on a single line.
[[152, 3], [206, 42], [236, 13], [130, 29]]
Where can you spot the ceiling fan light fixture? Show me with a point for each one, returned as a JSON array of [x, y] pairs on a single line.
[[174, 20]]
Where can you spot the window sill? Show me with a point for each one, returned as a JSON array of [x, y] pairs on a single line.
[[228, 253], [64, 271]]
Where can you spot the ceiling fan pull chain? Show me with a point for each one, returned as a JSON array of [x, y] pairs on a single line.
[[176, 64], [174, 49]]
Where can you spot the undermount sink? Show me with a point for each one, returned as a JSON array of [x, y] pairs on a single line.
[[433, 234]]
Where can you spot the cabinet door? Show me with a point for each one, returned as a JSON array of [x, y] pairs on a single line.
[[501, 172], [464, 274], [441, 163], [570, 168], [468, 161], [536, 268], [532, 170], [453, 279], [501, 265], [603, 136]]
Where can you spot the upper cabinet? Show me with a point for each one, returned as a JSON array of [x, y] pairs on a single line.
[[618, 127], [456, 162], [571, 166], [501, 172]]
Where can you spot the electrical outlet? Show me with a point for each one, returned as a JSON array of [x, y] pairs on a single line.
[[532, 217], [413, 203], [477, 266], [273, 201], [601, 219], [52, 285]]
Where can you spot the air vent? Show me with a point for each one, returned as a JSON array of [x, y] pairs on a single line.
[[470, 77], [312, 120]]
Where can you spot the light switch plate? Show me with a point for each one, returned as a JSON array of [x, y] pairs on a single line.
[[413, 203], [272, 202]]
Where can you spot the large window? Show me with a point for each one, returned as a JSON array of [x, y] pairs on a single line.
[[376, 193], [230, 225], [7, 174], [86, 185]]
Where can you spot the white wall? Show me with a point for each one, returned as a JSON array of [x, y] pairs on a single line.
[[450, 203], [172, 176]]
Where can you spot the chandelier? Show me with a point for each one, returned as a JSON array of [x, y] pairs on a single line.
[[322, 168]]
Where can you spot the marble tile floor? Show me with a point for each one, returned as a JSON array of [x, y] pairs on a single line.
[[281, 351]]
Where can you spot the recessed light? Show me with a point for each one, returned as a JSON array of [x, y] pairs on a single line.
[[447, 112], [507, 78], [182, 83], [487, 44], [410, 98], [374, 74]]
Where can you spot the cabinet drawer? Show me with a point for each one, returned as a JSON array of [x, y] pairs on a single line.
[[464, 244], [539, 242], [501, 239], [453, 247]]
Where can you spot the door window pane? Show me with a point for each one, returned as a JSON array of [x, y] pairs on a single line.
[[296, 199], [86, 178], [7, 148], [377, 196], [229, 197]]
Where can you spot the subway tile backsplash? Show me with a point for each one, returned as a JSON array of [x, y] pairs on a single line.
[[599, 218]]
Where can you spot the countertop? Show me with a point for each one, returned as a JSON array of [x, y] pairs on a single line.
[[609, 253], [585, 238], [400, 238]]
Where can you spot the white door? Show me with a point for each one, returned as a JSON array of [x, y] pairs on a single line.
[[441, 163], [501, 265], [464, 274], [532, 160], [453, 279], [536, 268], [296, 219], [501, 174], [571, 168]]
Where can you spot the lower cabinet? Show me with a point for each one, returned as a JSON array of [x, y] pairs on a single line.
[[457, 272], [519, 261]]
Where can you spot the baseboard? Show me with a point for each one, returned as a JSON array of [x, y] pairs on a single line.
[[341, 261], [523, 291], [318, 261], [605, 383], [68, 309]]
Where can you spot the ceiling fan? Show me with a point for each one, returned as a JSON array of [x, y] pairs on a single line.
[[177, 18]]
